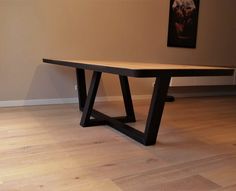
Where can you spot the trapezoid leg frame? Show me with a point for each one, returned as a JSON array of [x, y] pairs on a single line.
[[154, 116], [89, 100]]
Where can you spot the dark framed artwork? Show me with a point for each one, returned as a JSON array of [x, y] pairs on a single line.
[[183, 21]]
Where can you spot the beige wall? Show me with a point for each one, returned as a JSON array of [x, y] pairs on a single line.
[[100, 29]]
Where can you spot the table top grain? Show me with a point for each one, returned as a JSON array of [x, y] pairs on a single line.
[[143, 69]]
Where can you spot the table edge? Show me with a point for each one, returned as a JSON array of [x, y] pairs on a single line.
[[143, 72]]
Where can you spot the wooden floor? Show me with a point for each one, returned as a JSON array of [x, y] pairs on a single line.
[[44, 148]]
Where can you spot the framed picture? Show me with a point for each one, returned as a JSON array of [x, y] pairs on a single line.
[[183, 20]]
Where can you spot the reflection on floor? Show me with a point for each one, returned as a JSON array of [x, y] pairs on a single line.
[[44, 148]]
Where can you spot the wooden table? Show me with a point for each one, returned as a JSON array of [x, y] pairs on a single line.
[[162, 73]]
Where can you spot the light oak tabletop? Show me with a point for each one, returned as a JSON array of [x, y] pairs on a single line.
[[141, 69]]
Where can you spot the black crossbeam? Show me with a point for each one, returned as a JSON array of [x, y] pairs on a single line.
[[149, 136]]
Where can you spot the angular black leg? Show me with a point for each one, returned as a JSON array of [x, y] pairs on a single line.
[[127, 98], [81, 87], [154, 116], [90, 99], [156, 109]]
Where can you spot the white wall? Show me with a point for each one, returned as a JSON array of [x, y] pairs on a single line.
[[134, 30]]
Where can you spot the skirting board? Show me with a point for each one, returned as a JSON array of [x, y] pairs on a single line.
[[188, 91], [20, 103]]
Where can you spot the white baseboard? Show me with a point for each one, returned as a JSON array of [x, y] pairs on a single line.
[[19, 103], [173, 91]]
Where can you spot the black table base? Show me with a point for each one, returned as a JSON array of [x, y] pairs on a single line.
[[159, 97]]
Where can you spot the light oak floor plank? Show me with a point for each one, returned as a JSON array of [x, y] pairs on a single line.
[[44, 148]]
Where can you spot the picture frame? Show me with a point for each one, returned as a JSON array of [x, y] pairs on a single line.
[[183, 23]]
